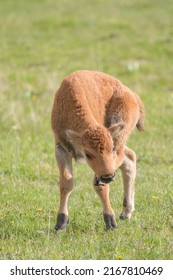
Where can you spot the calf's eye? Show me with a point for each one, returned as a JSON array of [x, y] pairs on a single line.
[[89, 156]]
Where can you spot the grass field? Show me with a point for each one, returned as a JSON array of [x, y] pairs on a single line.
[[41, 42]]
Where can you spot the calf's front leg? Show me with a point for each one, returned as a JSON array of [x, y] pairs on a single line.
[[64, 162], [128, 169], [108, 213]]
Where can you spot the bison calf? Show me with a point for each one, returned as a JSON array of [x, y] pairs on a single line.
[[93, 114]]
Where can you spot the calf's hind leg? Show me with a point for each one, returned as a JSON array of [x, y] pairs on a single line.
[[108, 213], [64, 162], [128, 169]]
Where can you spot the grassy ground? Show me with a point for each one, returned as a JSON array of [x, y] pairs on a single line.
[[41, 42]]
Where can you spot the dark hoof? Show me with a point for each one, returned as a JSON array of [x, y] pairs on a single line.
[[125, 215], [62, 221], [110, 221], [122, 217]]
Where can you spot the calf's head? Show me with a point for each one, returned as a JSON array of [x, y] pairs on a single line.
[[97, 144]]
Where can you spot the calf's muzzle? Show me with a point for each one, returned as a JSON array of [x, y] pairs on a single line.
[[104, 179], [107, 178]]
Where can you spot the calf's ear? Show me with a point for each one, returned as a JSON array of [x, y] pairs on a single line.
[[115, 130], [74, 137]]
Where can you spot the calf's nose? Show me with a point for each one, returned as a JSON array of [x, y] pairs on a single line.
[[106, 178]]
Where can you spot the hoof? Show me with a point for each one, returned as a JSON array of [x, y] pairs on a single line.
[[110, 221], [62, 221], [125, 216]]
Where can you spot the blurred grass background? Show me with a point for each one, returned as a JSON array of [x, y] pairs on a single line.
[[40, 43]]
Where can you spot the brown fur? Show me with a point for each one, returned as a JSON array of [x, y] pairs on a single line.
[[92, 116]]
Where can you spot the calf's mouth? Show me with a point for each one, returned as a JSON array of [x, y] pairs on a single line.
[[104, 179]]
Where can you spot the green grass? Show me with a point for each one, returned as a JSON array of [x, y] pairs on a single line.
[[42, 42]]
